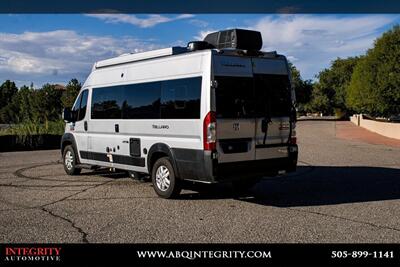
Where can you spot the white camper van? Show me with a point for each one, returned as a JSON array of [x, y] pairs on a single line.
[[217, 110]]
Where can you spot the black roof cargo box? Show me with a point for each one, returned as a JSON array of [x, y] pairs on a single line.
[[235, 38]]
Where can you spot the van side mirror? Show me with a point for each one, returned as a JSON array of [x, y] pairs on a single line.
[[68, 115]]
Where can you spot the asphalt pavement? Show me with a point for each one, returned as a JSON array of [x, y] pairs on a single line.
[[344, 191]]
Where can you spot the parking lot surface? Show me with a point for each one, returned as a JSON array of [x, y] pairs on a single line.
[[345, 190]]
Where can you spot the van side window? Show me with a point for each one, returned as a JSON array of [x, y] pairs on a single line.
[[142, 101], [80, 104], [77, 104], [107, 102], [82, 109], [180, 99], [173, 99]]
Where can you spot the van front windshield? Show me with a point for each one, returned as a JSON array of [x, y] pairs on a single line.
[[264, 95]]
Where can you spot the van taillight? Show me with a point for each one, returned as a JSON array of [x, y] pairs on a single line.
[[210, 131], [293, 140]]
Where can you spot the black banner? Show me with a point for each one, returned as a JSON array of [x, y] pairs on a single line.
[[199, 254], [199, 6]]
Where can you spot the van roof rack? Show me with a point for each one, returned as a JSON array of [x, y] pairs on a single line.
[[133, 57]]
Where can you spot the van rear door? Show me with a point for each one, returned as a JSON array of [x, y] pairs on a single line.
[[253, 103], [234, 100], [272, 107]]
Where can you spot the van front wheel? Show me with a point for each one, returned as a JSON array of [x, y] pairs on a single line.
[[69, 161], [165, 183]]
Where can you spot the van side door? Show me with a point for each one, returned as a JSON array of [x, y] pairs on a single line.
[[79, 127]]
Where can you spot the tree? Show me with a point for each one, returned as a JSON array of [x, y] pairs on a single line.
[[296, 77], [10, 113], [46, 104], [24, 100], [302, 88], [331, 90], [320, 101], [71, 92], [375, 83], [7, 111], [7, 91]]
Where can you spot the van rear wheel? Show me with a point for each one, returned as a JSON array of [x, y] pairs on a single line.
[[69, 161], [165, 183]]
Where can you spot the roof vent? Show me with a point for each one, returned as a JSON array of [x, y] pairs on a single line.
[[236, 39]]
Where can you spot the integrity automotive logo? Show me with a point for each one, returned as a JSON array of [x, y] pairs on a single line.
[[32, 254]]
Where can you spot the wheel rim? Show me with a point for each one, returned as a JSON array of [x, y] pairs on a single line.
[[162, 178], [69, 160]]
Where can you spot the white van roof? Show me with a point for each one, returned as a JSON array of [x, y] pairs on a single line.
[[133, 57], [170, 51]]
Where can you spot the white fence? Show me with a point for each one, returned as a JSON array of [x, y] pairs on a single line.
[[387, 129]]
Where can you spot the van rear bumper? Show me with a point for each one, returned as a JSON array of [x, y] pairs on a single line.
[[199, 165]]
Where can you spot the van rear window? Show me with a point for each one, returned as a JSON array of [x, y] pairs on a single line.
[[248, 97], [273, 96], [234, 97]]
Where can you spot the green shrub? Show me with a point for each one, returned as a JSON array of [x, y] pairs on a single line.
[[34, 128]]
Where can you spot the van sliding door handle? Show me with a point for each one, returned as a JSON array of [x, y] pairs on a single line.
[[117, 128], [85, 125]]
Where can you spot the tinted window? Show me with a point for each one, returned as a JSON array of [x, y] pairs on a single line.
[[180, 99], [107, 102], [261, 96], [79, 108], [174, 99], [83, 104], [234, 97], [142, 101], [77, 104], [272, 95]]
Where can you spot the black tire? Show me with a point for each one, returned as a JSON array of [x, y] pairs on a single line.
[[173, 188], [70, 161]]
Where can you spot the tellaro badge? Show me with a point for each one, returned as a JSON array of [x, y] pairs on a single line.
[[160, 126], [236, 126]]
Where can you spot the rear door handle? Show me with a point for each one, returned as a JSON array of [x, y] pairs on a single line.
[[117, 128], [85, 125]]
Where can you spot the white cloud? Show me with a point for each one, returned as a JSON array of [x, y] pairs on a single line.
[[59, 55], [200, 36], [149, 21], [292, 58], [199, 23], [312, 41]]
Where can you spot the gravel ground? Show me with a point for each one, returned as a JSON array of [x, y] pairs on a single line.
[[344, 191]]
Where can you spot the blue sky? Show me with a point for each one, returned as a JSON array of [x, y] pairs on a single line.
[[43, 48]]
